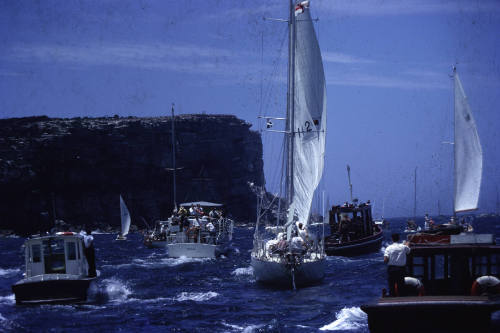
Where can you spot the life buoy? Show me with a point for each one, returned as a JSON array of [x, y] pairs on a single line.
[[411, 287], [485, 285]]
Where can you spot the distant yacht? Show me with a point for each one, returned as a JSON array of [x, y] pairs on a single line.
[[287, 252], [125, 220]]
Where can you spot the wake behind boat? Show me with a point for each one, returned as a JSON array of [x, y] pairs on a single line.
[[287, 252], [57, 270]]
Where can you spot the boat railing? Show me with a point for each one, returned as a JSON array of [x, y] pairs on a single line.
[[275, 251]]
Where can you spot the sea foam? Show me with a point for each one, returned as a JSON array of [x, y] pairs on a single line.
[[197, 297], [9, 271], [348, 319], [10, 299], [242, 271]]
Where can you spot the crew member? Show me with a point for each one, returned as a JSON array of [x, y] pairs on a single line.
[[395, 258], [88, 241]]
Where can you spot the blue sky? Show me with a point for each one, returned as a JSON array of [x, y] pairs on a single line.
[[387, 66]]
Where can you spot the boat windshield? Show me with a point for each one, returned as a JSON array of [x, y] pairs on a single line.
[[53, 255]]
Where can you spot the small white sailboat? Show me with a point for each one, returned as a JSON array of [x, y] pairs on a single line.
[[468, 168], [125, 220], [289, 253]]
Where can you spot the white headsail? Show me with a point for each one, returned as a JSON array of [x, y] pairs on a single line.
[[468, 154], [125, 217], [309, 116]]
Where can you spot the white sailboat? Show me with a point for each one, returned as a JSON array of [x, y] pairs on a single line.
[[467, 153], [280, 255], [125, 220], [468, 166]]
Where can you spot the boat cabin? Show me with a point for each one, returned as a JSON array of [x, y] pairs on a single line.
[[451, 269], [56, 254], [351, 221]]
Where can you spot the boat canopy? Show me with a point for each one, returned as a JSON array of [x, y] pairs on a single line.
[[55, 254], [201, 203]]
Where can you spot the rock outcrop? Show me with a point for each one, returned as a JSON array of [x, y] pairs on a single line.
[[75, 169]]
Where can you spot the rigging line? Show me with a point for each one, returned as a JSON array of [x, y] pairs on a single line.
[[271, 83]]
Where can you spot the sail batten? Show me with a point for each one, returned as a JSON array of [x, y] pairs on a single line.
[[468, 154], [309, 122]]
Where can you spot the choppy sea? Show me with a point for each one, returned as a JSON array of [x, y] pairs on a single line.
[[141, 289]]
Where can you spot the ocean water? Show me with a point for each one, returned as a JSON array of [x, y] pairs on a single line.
[[141, 289]]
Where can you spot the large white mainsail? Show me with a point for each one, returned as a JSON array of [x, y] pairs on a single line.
[[309, 116], [125, 218], [468, 154]]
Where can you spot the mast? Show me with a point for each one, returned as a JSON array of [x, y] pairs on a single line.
[[173, 155], [454, 145], [290, 104], [349, 179], [415, 196]]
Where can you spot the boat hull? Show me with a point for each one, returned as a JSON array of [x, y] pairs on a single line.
[[276, 273], [191, 250], [431, 314], [155, 244], [360, 246], [52, 289]]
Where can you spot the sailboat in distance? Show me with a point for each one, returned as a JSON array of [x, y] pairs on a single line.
[[125, 220], [290, 253]]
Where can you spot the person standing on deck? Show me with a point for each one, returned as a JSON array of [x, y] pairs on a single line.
[[395, 258], [89, 252]]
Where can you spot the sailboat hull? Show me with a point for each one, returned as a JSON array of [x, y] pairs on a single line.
[[276, 273]]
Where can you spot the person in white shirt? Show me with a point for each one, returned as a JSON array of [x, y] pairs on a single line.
[[88, 251], [395, 258]]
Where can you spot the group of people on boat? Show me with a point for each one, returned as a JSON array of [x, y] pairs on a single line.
[[193, 222], [298, 243]]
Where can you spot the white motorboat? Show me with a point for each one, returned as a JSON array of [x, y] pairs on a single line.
[[57, 270]]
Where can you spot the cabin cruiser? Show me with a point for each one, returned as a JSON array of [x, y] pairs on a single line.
[[191, 232], [352, 230], [57, 270]]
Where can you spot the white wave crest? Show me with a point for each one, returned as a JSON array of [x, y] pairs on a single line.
[[197, 297], [111, 289], [243, 271], [2, 318], [10, 299], [246, 329], [9, 271], [348, 319]]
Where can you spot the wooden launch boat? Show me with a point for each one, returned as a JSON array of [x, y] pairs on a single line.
[[352, 231], [454, 296]]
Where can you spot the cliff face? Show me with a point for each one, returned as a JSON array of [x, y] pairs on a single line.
[[76, 168]]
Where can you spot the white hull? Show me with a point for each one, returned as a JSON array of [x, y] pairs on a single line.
[[191, 250], [276, 273]]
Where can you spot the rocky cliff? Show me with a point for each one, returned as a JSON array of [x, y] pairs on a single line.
[[75, 169]]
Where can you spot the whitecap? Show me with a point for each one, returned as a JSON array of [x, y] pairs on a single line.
[[111, 289], [10, 299], [197, 297], [252, 328], [2, 318], [9, 271], [348, 319], [243, 271]]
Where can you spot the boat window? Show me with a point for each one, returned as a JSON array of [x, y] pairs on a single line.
[[418, 267], [485, 265], [71, 250], [440, 267], [36, 253], [53, 255]]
